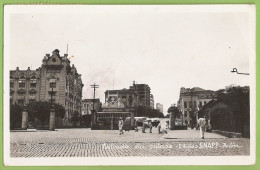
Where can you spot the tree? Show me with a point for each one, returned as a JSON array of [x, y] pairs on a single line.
[[86, 120], [238, 99], [143, 111], [15, 116], [41, 111]]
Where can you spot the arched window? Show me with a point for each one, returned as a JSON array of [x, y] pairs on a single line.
[[21, 81], [33, 81], [53, 82]]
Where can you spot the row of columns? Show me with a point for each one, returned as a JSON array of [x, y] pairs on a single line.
[[25, 119]]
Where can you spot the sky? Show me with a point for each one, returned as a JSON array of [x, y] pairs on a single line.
[[166, 47]]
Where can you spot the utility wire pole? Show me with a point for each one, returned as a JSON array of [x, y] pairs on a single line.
[[94, 86]]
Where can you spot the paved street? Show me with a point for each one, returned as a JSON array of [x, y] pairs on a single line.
[[102, 143]]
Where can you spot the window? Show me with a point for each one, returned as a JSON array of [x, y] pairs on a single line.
[[21, 102], [190, 104], [33, 81], [185, 113], [200, 104], [11, 83], [185, 104], [194, 104], [32, 95], [21, 97], [205, 102], [123, 97], [21, 83], [52, 83], [31, 100]]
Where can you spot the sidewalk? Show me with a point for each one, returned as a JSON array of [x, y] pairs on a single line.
[[191, 134]]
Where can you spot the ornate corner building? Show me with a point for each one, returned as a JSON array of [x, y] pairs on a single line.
[[55, 81]]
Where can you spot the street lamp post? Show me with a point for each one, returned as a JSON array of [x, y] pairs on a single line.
[[52, 113], [51, 97], [94, 86]]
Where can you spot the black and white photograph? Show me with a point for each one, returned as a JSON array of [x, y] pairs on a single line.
[[129, 85]]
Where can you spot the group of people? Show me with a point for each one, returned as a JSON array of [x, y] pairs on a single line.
[[121, 124], [201, 123]]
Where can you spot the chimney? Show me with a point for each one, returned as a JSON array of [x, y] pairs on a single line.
[[17, 68], [28, 68], [133, 82], [48, 55]]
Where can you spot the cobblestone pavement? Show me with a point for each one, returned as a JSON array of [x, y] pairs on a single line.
[[101, 143]]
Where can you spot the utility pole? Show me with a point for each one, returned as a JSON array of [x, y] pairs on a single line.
[[94, 86]]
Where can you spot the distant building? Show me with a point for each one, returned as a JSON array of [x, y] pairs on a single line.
[[87, 106], [191, 100], [55, 81], [151, 101], [159, 107], [128, 97], [144, 93]]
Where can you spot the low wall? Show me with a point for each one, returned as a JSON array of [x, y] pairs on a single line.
[[228, 134]]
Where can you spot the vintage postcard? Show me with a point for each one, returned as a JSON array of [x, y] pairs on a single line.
[[129, 85]]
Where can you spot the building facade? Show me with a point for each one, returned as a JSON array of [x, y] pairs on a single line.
[[152, 101], [144, 93], [87, 106], [55, 81], [159, 107], [191, 100], [128, 97]]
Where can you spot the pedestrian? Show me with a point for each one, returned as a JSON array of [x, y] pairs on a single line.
[[120, 125], [159, 127], [136, 128], [202, 123], [167, 124], [143, 130], [150, 126]]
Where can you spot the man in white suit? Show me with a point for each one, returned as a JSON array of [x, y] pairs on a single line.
[[202, 124]]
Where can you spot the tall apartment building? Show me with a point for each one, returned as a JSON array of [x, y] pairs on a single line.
[[159, 107], [128, 97], [144, 93], [193, 99], [152, 101], [55, 80]]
